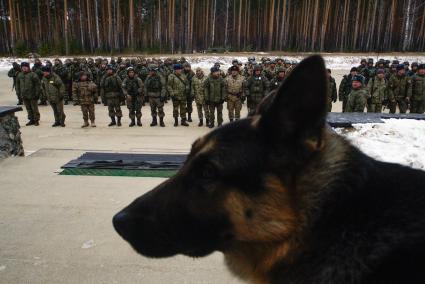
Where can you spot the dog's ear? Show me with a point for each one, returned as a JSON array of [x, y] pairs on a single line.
[[298, 109]]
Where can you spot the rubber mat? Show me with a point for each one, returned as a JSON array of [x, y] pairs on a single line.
[[118, 173]]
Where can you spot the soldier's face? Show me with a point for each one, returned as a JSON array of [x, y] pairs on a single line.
[[414, 68], [234, 73], [356, 84], [282, 74], [131, 74], [421, 71], [45, 74], [353, 73], [401, 72], [83, 78], [109, 71], [381, 76], [26, 69], [257, 72], [178, 71]]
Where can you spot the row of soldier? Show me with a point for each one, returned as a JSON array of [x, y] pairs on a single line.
[[383, 85], [134, 82]]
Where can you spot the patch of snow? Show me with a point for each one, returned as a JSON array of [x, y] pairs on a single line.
[[396, 141], [88, 244]]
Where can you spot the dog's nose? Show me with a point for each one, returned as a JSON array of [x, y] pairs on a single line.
[[122, 224]]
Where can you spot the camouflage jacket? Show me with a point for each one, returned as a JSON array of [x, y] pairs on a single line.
[[275, 83], [418, 87], [133, 86], [122, 73], [344, 87], [235, 85], [84, 92], [399, 87], [37, 70], [28, 85], [215, 90], [357, 100], [198, 91], [53, 88], [61, 71], [178, 87], [13, 73], [378, 90], [257, 88], [331, 91], [111, 86], [155, 86]]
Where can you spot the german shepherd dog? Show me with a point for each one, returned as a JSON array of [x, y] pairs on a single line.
[[286, 200]]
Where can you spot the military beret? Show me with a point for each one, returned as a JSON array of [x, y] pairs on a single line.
[[370, 60], [380, 71], [396, 62], [214, 69], [421, 66], [400, 67], [178, 66], [354, 69], [25, 64]]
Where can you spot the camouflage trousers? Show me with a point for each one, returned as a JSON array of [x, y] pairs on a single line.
[[252, 107], [402, 105], [212, 108], [189, 106], [179, 106], [43, 97], [58, 112], [19, 97], [114, 107], [417, 107], [32, 109], [205, 109], [329, 106], [234, 106], [157, 107], [375, 108], [344, 104], [88, 112], [134, 105]]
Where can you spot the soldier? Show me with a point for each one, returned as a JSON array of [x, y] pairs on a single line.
[[400, 90], [414, 69], [418, 91], [133, 90], [155, 91], [187, 71], [331, 91], [99, 77], [198, 93], [112, 91], [358, 95], [54, 90], [85, 93], [235, 93], [215, 95], [362, 67], [278, 80], [370, 70], [36, 68], [345, 87], [377, 88], [122, 72], [28, 88], [13, 73], [257, 86], [178, 87]]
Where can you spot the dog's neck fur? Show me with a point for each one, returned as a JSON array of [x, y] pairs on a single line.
[[254, 261]]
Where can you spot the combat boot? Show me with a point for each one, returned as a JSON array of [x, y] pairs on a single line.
[[207, 122], [161, 122], [211, 125], [133, 122], [139, 122], [93, 124], [62, 124], [86, 124], [56, 124], [31, 122], [184, 123], [113, 122], [66, 102], [154, 121], [201, 122], [36, 123], [176, 122], [19, 103], [189, 117], [118, 121], [231, 120]]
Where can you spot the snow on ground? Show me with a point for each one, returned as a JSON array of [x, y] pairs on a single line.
[[396, 141], [333, 61]]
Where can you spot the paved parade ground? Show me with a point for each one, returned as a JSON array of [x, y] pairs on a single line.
[[57, 229]]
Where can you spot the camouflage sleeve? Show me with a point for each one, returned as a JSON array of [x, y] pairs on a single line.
[[61, 86], [170, 85], [266, 85], [224, 90], [123, 86], [37, 85], [163, 87], [93, 89], [341, 90], [75, 91], [207, 90], [350, 104], [409, 88], [141, 86], [334, 93], [17, 87], [11, 73], [391, 95], [246, 87]]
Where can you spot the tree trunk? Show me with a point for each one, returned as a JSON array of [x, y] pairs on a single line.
[[65, 24]]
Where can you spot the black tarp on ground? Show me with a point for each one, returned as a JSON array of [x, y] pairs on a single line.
[[348, 119]]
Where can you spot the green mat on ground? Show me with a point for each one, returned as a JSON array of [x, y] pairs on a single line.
[[118, 173]]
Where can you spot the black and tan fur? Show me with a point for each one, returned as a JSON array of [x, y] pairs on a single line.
[[287, 200]]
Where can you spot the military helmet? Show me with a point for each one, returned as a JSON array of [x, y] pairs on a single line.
[[287, 61], [280, 69], [370, 60], [363, 60], [258, 67], [250, 59], [25, 64], [217, 64], [109, 67], [400, 67], [214, 69], [234, 61], [46, 68], [359, 78], [152, 67], [130, 69], [396, 62], [234, 68], [406, 63], [186, 64]]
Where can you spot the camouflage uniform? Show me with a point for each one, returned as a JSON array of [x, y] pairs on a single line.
[[344, 90], [377, 89], [198, 93], [215, 95], [155, 90], [37, 70], [13, 73], [331, 93], [54, 90], [256, 89], [28, 88], [189, 107], [85, 93], [400, 91], [134, 89], [418, 94], [235, 95], [111, 89], [357, 100], [178, 88]]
